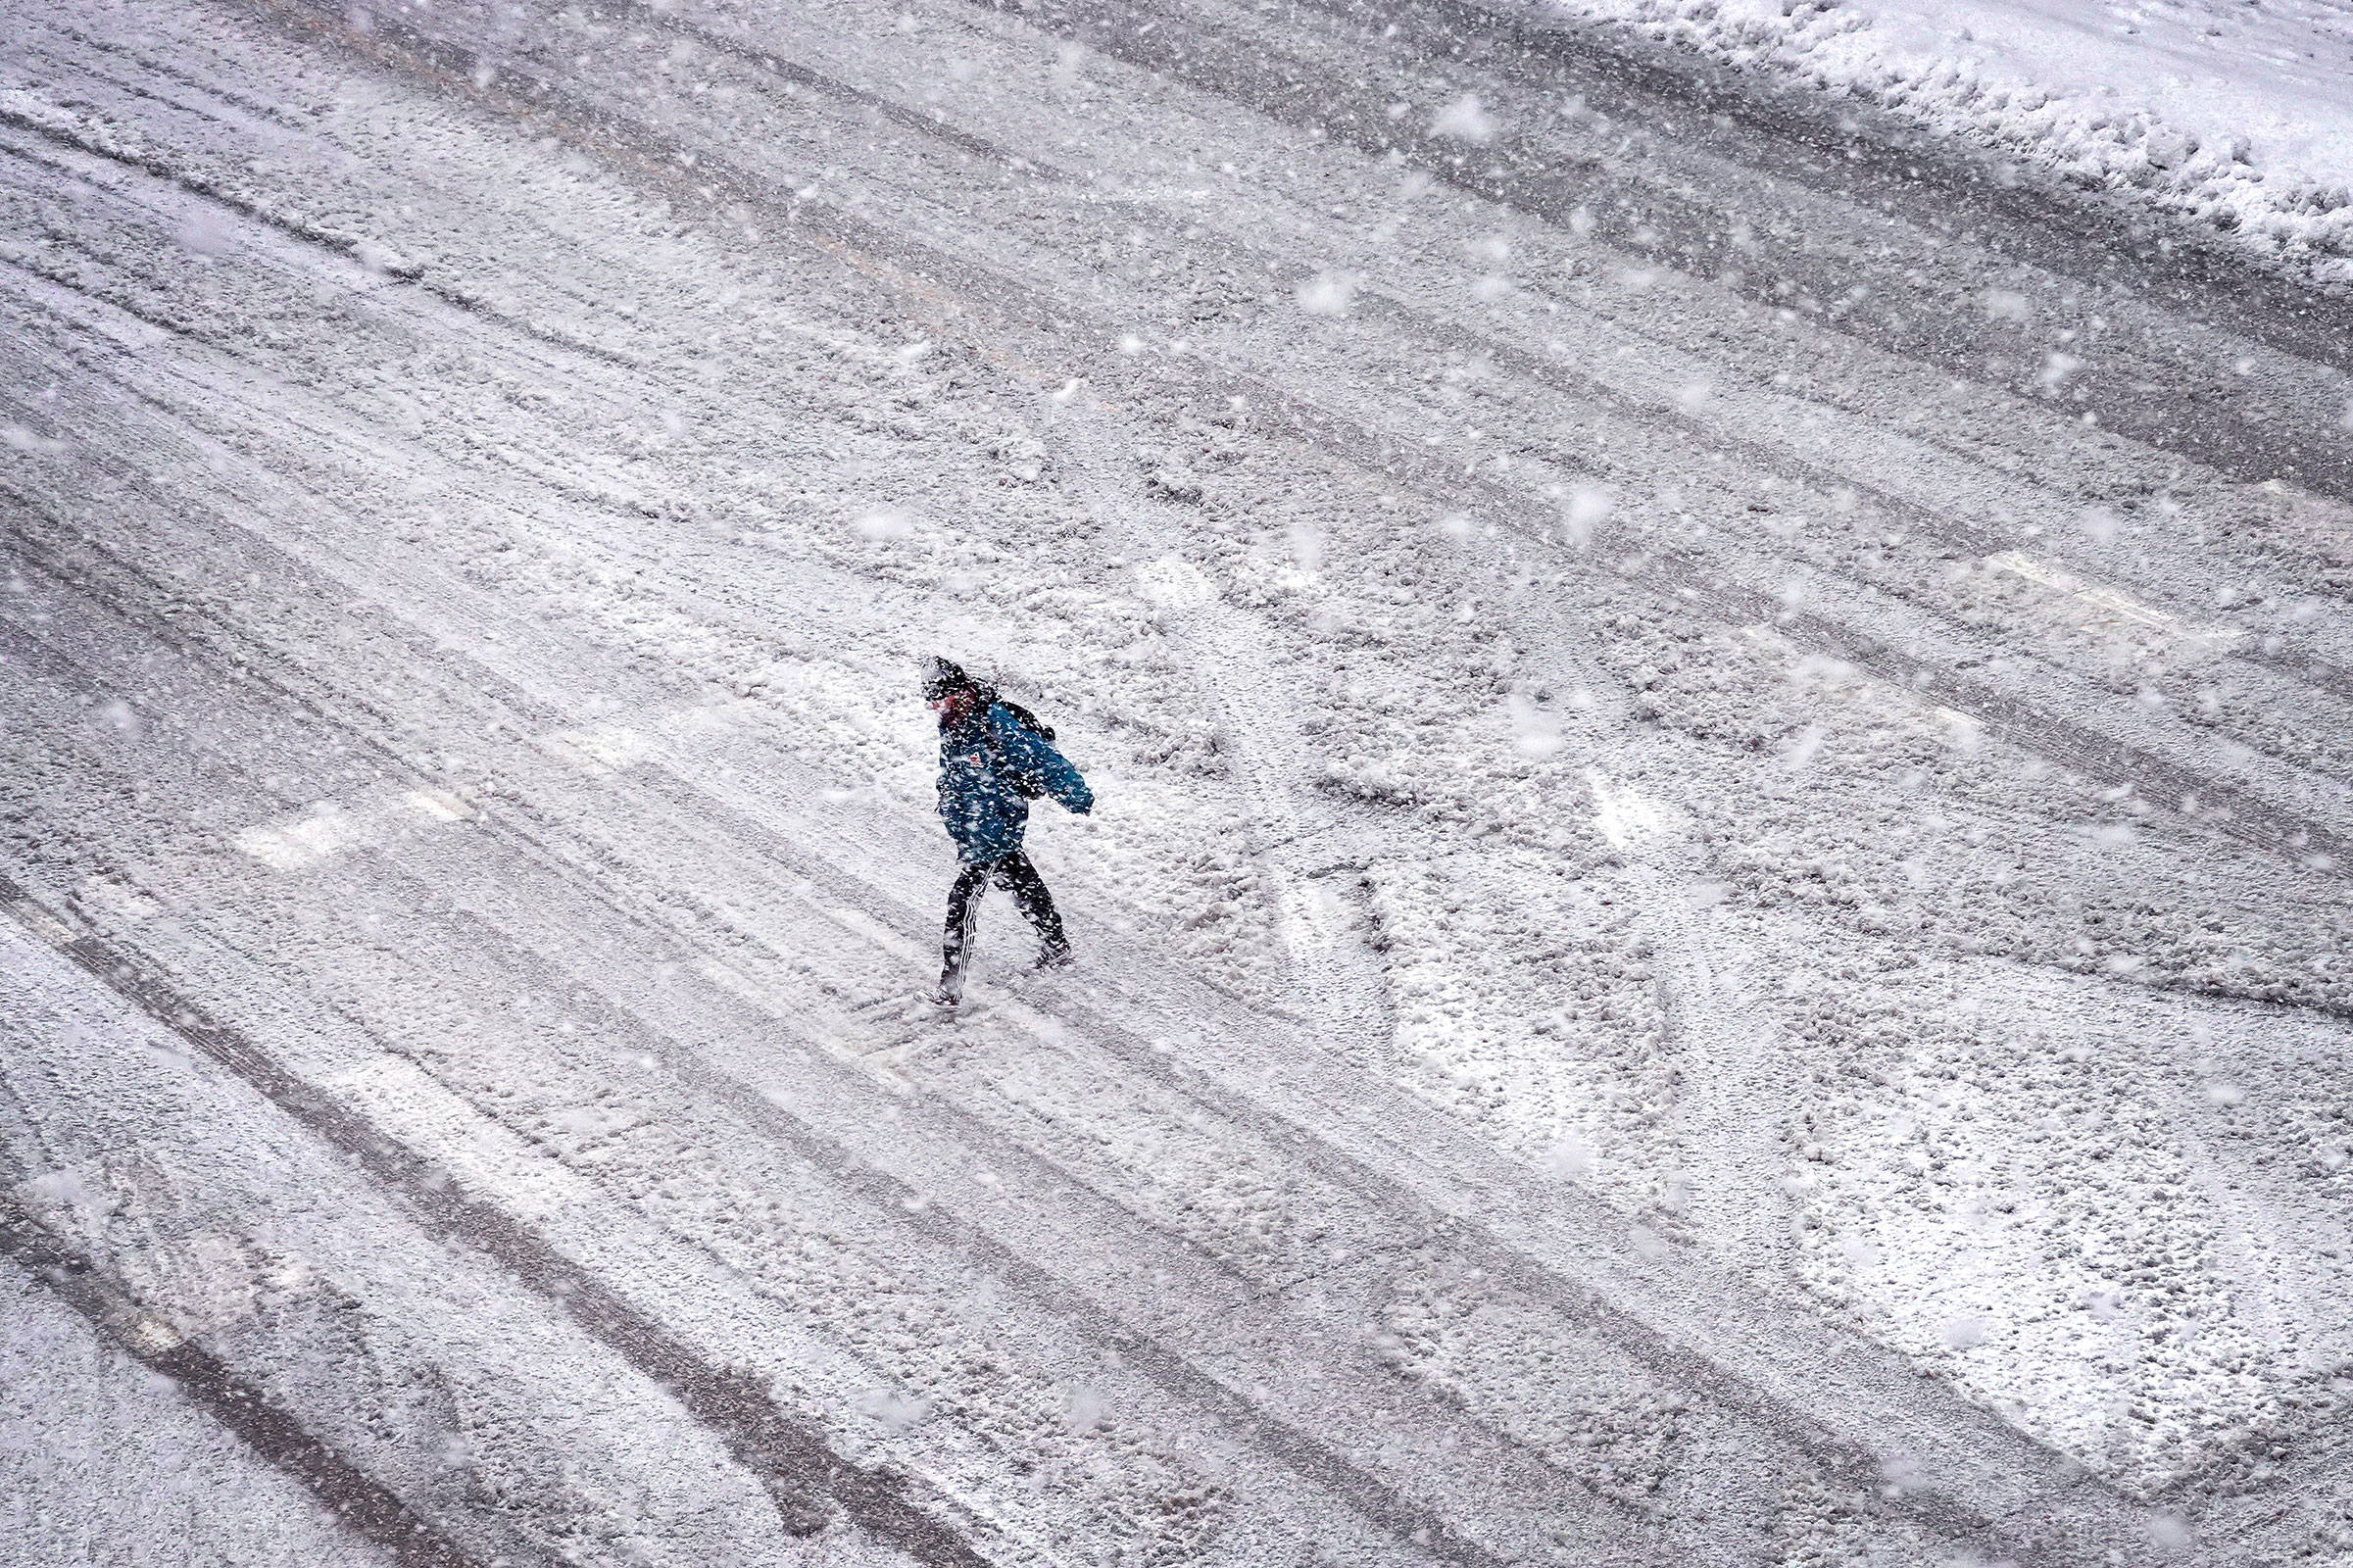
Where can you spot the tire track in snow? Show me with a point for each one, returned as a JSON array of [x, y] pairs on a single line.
[[1731, 1099], [1298, 838], [245, 206], [2275, 653], [1297, 88], [1315, 1459], [982, 293], [1439, 1541], [1729, 1096], [1479, 1183], [1471, 1240], [1921, 516], [792, 1461], [363, 1506], [924, 1197], [979, 292]]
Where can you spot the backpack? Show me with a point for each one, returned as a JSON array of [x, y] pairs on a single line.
[[1028, 787]]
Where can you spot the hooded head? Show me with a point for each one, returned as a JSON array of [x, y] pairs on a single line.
[[951, 692]]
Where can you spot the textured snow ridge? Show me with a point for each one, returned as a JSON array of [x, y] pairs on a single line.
[[2236, 118], [1716, 928]]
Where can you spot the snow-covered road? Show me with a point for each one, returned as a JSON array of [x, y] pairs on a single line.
[[1718, 927]]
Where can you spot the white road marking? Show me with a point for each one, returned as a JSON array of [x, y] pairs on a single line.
[[1174, 583], [2106, 608], [331, 828], [607, 750], [1624, 814]]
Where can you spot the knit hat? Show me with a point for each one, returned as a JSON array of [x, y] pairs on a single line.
[[946, 677]]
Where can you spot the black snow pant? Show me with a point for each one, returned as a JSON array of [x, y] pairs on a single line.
[[1015, 875]]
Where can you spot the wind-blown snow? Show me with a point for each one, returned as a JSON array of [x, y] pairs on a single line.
[[1621, 787]]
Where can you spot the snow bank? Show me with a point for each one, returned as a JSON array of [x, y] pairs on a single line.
[[2233, 118]]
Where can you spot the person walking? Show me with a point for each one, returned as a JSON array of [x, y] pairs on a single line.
[[995, 756]]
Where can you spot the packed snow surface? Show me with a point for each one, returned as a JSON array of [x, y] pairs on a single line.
[[1716, 930], [2227, 114]]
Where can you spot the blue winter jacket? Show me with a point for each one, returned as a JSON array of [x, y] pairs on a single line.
[[984, 759]]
